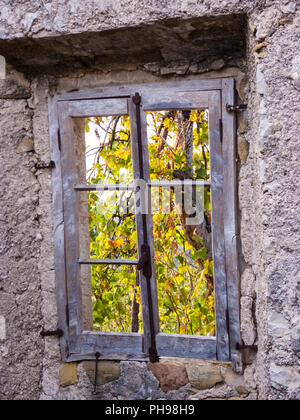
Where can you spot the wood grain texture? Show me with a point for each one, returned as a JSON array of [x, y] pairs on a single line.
[[58, 226], [111, 346], [188, 94], [105, 187], [131, 187], [231, 222], [175, 183], [157, 100], [217, 204], [108, 262], [70, 205], [126, 91], [186, 346], [98, 108]]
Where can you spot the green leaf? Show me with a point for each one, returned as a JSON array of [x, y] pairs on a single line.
[[201, 254]]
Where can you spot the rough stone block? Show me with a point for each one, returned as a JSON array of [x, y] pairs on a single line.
[[26, 145], [14, 86], [68, 374], [241, 83], [218, 64], [204, 376], [236, 381], [2, 328], [242, 122], [260, 46], [171, 376], [243, 149], [107, 371], [278, 325], [284, 376]]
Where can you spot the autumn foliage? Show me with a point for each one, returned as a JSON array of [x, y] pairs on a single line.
[[178, 146]]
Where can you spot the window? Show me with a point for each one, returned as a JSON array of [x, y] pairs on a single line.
[[159, 168]]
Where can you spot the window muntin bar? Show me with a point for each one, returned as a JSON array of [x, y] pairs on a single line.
[[107, 262]]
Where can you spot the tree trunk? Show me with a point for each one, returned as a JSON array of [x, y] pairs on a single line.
[[135, 308], [198, 236]]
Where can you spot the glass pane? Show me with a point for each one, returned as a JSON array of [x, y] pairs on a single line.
[[178, 145], [179, 149], [116, 299], [109, 216], [112, 227], [108, 150]]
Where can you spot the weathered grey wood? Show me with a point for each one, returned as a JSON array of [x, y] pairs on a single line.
[[131, 187], [230, 215], [122, 356], [105, 187], [58, 225], [217, 204], [98, 108], [139, 222], [70, 202], [66, 241], [108, 262], [165, 100], [150, 220], [188, 84], [175, 183], [112, 345], [186, 346]]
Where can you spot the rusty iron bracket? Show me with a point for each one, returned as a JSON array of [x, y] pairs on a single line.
[[245, 347], [97, 355], [236, 108], [144, 262], [44, 165], [56, 333]]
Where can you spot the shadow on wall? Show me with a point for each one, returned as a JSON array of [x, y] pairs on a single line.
[[199, 39]]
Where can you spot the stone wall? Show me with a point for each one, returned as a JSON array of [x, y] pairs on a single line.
[[266, 68], [21, 346]]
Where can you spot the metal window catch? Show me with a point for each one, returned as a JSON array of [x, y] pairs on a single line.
[[45, 165], [57, 333], [236, 108], [245, 347]]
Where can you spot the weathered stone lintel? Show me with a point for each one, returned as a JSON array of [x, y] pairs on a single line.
[[200, 38]]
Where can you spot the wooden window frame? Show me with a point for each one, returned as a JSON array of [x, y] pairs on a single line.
[[215, 95]]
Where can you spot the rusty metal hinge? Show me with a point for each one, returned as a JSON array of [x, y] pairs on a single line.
[[221, 130], [57, 333], [236, 108], [45, 165], [145, 261], [59, 139]]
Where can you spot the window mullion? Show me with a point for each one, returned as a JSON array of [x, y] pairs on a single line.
[[217, 198], [71, 233], [144, 223]]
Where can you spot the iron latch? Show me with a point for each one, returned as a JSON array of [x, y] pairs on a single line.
[[45, 165], [56, 333], [245, 347], [145, 261], [236, 108]]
